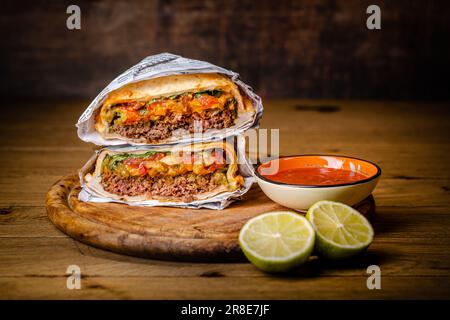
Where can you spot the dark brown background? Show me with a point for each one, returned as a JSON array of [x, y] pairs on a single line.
[[284, 49]]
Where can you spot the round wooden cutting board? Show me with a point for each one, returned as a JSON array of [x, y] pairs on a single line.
[[159, 232]]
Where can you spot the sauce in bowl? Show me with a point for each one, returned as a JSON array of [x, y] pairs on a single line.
[[314, 176], [297, 182]]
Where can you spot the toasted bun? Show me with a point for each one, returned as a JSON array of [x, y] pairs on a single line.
[[170, 85]]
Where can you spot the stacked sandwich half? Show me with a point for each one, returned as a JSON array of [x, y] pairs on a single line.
[[171, 130]]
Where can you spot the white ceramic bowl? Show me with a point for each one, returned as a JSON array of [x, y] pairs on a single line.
[[301, 197]]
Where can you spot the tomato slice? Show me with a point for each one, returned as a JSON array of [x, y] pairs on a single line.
[[214, 167], [131, 116], [219, 156], [139, 163], [156, 156], [131, 105], [142, 169], [219, 160], [133, 162], [208, 101]]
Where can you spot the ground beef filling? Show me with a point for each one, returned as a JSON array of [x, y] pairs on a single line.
[[163, 128], [182, 187]]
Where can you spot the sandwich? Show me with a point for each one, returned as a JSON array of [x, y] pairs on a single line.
[[177, 174], [157, 110]]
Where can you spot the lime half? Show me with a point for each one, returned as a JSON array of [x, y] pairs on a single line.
[[341, 231], [277, 241]]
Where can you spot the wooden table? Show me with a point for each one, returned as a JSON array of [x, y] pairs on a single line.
[[410, 141]]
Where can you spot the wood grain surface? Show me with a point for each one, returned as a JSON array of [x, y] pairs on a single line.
[[410, 141], [197, 235]]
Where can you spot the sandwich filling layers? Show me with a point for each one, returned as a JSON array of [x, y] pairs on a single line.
[[180, 175], [156, 119]]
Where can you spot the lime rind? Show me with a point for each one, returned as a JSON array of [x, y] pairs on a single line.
[[343, 232], [277, 241]]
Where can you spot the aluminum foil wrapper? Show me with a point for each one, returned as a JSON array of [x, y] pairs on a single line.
[[162, 65], [218, 202]]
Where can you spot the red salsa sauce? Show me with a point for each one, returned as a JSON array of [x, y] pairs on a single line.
[[316, 176]]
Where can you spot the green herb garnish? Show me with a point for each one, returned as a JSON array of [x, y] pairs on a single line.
[[215, 93], [113, 160], [152, 101]]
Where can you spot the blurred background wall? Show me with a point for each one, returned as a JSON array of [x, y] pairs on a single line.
[[284, 49]]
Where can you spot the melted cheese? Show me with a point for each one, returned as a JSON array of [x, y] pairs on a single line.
[[137, 111], [174, 164]]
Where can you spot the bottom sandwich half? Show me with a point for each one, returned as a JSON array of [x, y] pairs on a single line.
[[198, 175]]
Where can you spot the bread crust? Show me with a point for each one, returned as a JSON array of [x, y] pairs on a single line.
[[168, 86]]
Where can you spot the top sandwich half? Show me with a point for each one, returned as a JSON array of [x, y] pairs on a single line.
[[157, 110]]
